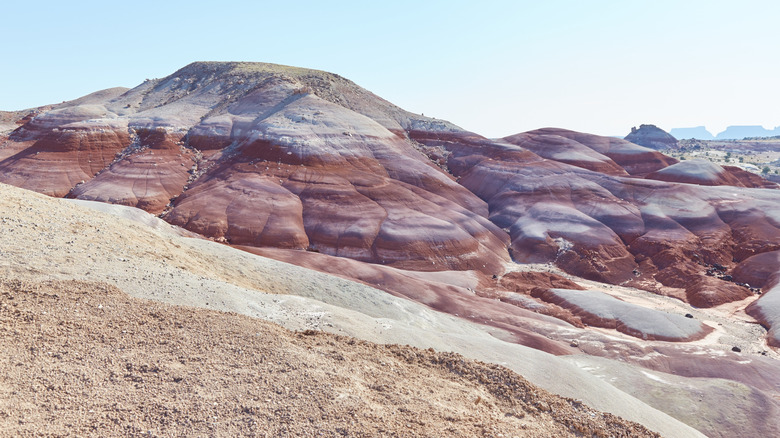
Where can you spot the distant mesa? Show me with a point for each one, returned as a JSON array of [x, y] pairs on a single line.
[[734, 132], [738, 132], [697, 132], [652, 137]]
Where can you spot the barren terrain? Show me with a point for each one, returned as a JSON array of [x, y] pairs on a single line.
[[598, 269], [85, 359], [54, 241]]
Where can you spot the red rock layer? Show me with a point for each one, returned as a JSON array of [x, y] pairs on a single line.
[[526, 282], [60, 159], [749, 179], [148, 178], [760, 270]]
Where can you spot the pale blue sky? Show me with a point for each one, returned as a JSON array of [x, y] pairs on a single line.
[[496, 68]]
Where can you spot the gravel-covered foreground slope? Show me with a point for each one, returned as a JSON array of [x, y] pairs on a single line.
[[85, 359], [45, 239]]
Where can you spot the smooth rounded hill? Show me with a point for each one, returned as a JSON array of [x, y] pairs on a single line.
[[702, 172], [565, 150], [262, 155], [635, 159]]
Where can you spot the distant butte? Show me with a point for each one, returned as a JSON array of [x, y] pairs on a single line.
[[652, 137]]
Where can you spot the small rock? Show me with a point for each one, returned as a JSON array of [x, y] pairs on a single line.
[[543, 406]]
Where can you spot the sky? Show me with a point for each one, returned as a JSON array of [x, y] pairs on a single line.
[[493, 67]]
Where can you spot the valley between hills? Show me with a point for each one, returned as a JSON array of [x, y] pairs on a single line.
[[261, 250]]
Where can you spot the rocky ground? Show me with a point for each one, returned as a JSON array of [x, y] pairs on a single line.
[[752, 155], [85, 359]]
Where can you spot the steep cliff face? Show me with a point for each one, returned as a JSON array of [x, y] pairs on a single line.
[[652, 137]]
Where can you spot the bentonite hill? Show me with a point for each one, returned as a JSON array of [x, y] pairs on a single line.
[[643, 286]]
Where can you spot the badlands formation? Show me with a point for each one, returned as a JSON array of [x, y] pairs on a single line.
[[596, 268]]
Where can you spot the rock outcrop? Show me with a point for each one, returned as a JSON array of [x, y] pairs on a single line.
[[652, 137]]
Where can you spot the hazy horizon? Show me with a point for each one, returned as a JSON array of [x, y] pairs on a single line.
[[496, 68]]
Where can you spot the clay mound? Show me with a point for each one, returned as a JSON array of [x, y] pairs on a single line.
[[525, 282], [148, 180], [653, 137], [763, 271], [655, 235], [760, 270], [149, 174], [635, 159], [711, 292], [55, 160], [565, 150], [114, 354], [767, 311], [697, 171], [749, 179], [601, 310], [263, 155], [552, 211]]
